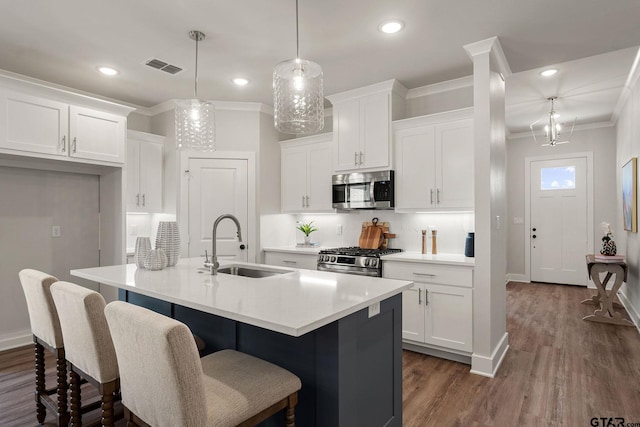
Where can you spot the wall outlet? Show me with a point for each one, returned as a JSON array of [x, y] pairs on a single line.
[[339, 230], [498, 222], [134, 229], [55, 231], [374, 309]]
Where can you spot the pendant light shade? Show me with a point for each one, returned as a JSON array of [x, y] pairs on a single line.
[[195, 119], [298, 94], [554, 131]]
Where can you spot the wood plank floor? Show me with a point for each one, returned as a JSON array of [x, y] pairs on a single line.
[[559, 371]]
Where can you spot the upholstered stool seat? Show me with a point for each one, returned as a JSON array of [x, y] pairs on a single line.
[[47, 333], [88, 347], [165, 383]]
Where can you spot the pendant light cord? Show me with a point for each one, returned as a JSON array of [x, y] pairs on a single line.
[[297, 34], [195, 83]]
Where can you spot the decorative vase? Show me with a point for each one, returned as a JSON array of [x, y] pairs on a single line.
[[469, 245], [307, 240], [168, 239], [608, 246], [156, 260], [143, 247]]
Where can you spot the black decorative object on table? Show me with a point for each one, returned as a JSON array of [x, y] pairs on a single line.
[[469, 245]]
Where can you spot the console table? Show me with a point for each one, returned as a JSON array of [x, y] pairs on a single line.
[[605, 312]]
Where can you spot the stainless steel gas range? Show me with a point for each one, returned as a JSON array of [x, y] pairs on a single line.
[[353, 260]]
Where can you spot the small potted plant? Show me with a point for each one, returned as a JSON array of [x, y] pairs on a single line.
[[307, 229]]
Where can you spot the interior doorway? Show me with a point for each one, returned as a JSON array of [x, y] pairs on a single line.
[[559, 217]]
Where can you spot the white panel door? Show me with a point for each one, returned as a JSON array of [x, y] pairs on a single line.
[[294, 179], [151, 176], [96, 135], [319, 178], [346, 135], [415, 164], [132, 168], [217, 187], [375, 119], [413, 313], [449, 317], [454, 154], [33, 124], [559, 239]]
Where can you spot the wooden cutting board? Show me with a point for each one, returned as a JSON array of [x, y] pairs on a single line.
[[385, 232], [371, 237]]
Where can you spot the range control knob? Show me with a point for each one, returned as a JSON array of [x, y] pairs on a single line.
[[366, 262], [374, 262], [333, 259]]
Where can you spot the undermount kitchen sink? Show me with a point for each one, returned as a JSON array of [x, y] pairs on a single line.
[[249, 271]]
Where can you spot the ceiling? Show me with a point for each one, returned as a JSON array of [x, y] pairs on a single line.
[[64, 42]]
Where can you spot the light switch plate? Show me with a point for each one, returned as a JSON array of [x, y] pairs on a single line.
[[374, 309], [518, 220], [55, 231]]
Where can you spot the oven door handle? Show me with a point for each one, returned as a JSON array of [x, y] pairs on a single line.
[[372, 196], [345, 269]]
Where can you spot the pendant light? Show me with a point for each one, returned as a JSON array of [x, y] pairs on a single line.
[[298, 99], [195, 119], [552, 128]]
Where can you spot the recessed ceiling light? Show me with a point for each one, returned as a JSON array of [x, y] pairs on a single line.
[[391, 27], [550, 72], [108, 71], [240, 81]]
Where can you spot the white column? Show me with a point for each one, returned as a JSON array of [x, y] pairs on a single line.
[[490, 339]]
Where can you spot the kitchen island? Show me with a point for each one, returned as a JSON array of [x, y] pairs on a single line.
[[341, 334]]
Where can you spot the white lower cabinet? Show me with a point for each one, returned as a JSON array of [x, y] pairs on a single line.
[[307, 261], [438, 310]]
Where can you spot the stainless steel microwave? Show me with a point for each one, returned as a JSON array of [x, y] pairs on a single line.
[[363, 190]]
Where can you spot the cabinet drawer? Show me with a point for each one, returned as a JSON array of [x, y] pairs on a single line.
[[286, 259], [428, 273]]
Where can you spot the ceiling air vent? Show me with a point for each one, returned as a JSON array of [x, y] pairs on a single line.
[[163, 66]]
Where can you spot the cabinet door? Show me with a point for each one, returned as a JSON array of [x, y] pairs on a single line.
[[413, 313], [294, 179], [151, 176], [454, 153], [374, 130], [132, 168], [415, 168], [346, 135], [319, 170], [33, 124], [449, 317], [96, 135]]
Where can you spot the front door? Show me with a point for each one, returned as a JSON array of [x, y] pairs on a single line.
[[559, 232], [217, 187]]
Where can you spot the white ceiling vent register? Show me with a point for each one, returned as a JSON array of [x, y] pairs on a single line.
[[163, 66]]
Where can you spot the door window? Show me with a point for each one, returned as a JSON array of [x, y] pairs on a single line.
[[558, 178]]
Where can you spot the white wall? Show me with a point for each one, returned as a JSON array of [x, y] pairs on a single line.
[[600, 142], [440, 102], [628, 243]]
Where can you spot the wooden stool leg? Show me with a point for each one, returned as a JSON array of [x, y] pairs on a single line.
[[290, 415], [107, 409], [41, 411], [61, 367], [76, 413]]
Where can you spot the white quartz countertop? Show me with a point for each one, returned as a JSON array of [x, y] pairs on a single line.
[[294, 250], [293, 303], [448, 259]]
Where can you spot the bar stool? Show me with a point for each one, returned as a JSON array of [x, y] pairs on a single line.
[[89, 349], [45, 327], [164, 383]]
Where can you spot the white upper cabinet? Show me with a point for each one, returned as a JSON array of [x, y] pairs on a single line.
[[42, 122], [434, 162], [362, 126], [144, 172], [306, 174]]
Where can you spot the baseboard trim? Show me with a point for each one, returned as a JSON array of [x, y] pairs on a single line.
[[443, 354], [633, 314], [15, 339], [488, 366], [512, 277]]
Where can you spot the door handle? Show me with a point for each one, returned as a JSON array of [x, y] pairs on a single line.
[[307, 201], [144, 200], [74, 144], [303, 201], [438, 196], [355, 158], [431, 192], [419, 296], [138, 199], [286, 261], [64, 143], [361, 156], [242, 246], [426, 298], [533, 237]]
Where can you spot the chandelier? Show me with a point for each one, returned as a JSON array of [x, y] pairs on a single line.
[[195, 119], [554, 131], [298, 99]]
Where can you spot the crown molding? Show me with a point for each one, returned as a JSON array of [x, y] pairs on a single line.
[[632, 80], [440, 87], [219, 105], [386, 86], [492, 46]]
